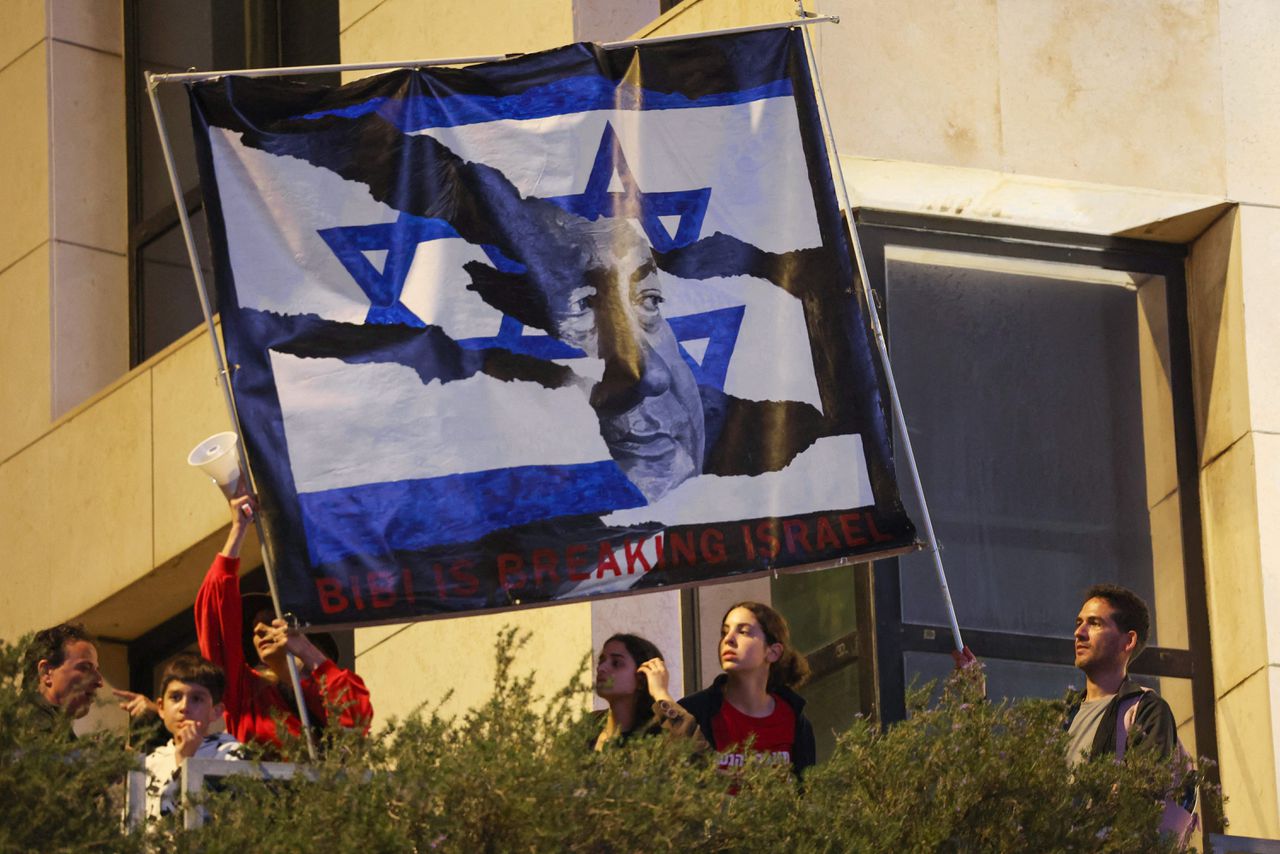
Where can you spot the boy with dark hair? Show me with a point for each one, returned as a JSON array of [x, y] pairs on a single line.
[[190, 702], [60, 673]]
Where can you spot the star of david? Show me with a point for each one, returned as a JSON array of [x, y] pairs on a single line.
[[689, 206], [656, 210]]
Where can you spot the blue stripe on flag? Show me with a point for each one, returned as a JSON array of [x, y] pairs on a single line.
[[409, 515], [570, 95]]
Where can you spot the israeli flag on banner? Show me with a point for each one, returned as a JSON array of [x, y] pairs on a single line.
[[576, 323]]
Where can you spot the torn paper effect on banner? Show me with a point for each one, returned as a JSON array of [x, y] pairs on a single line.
[[541, 329]]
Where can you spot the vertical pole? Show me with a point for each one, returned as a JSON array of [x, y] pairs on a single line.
[[224, 381], [900, 421]]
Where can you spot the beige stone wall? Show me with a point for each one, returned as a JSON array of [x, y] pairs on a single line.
[[380, 30], [1234, 310], [104, 501]]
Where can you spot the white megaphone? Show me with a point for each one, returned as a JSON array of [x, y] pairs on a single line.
[[217, 457]]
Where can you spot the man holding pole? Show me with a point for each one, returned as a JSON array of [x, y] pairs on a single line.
[[254, 698], [1115, 713], [1111, 629]]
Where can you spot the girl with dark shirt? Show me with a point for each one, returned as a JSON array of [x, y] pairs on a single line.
[[622, 684], [753, 697]]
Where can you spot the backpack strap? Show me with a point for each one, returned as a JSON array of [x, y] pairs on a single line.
[[1179, 818], [1126, 713]]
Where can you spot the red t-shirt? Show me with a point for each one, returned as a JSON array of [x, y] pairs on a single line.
[[775, 734]]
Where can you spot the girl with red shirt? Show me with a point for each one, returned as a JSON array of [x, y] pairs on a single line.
[[253, 697], [753, 696]]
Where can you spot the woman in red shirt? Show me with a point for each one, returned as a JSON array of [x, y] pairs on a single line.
[[254, 696], [754, 695]]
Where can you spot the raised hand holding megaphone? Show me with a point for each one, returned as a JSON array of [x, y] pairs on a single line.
[[217, 457]]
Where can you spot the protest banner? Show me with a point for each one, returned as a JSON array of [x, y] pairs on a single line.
[[577, 323]]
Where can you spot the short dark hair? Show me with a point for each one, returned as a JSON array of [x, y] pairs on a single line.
[[641, 650], [192, 668], [51, 645], [1131, 613]]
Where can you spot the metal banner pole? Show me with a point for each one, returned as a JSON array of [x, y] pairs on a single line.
[[198, 76], [224, 380], [900, 420]]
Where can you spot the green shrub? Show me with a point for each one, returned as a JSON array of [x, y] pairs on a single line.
[[516, 774]]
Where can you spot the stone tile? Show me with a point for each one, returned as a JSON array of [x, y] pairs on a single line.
[[1177, 693], [24, 177], [1122, 93], [25, 384], [608, 20], [654, 616], [1170, 603], [1273, 681], [350, 11], [165, 592], [1251, 100], [1160, 452], [1028, 200], [24, 27], [1267, 472], [1233, 569], [1259, 261], [929, 92], [701, 17], [26, 520], [407, 669], [88, 162], [1215, 306], [91, 23], [189, 407], [1246, 755], [90, 334], [100, 468], [409, 30]]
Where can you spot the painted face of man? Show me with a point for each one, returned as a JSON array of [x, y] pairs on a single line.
[[72, 684], [648, 403]]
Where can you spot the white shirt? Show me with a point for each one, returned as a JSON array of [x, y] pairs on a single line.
[[164, 775]]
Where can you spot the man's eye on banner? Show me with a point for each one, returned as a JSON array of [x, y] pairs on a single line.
[[511, 342]]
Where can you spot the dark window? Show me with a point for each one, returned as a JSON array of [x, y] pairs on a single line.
[[1046, 386], [163, 36]]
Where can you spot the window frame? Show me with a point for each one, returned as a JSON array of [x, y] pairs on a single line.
[[894, 638], [257, 34]]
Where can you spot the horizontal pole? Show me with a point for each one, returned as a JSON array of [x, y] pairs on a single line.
[[199, 76], [751, 28]]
